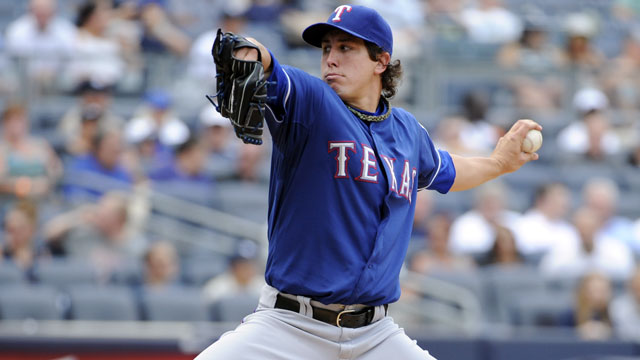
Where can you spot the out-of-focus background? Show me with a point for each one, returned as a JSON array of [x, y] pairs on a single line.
[[134, 222]]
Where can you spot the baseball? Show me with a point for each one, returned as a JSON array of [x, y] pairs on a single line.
[[532, 142]]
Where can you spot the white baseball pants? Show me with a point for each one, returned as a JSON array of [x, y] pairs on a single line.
[[285, 335]]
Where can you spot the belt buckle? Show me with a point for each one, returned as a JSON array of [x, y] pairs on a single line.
[[338, 318]]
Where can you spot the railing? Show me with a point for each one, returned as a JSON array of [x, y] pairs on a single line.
[[442, 303], [176, 219]]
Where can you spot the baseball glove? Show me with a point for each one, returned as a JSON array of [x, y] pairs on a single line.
[[241, 87]]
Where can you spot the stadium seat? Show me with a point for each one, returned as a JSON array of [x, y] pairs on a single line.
[[234, 308], [469, 280], [541, 308], [247, 200], [102, 303], [174, 304], [10, 274], [505, 282], [62, 273], [198, 270], [37, 302]]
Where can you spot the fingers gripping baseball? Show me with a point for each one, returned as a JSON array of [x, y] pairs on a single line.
[[508, 151]]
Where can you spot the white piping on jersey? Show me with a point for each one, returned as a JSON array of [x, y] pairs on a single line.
[[273, 114], [439, 162], [286, 97]]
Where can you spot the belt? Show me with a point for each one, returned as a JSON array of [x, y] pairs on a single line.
[[345, 318]]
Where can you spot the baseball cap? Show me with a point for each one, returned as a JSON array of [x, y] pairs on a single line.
[[139, 129], [589, 99], [174, 133], [158, 99], [209, 116], [359, 21]]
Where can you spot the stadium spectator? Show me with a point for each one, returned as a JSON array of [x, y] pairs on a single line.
[[96, 57], [185, 177], [217, 138], [533, 52], [161, 265], [41, 39], [200, 73], [545, 224], [125, 28], [160, 33], [157, 111], [478, 133], [97, 233], [504, 251], [90, 176], [94, 105], [594, 251], [489, 22], [535, 85], [626, 11], [591, 317], [242, 277], [28, 165], [438, 256], [250, 165], [443, 19], [407, 20], [579, 51], [633, 158], [625, 310], [448, 135], [620, 75], [474, 232], [591, 137], [425, 204], [143, 154], [19, 239], [602, 195]]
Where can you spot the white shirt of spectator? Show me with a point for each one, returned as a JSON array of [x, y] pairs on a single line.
[[625, 315], [471, 233], [635, 235], [536, 234], [96, 58], [575, 139], [567, 259], [492, 26], [45, 48]]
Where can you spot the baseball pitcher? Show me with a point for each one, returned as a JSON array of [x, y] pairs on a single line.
[[345, 170]]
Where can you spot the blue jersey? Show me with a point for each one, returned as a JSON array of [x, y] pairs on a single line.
[[342, 192]]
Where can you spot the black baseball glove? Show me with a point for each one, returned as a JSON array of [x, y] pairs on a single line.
[[241, 87]]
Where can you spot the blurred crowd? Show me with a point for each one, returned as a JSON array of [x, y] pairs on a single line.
[[103, 100]]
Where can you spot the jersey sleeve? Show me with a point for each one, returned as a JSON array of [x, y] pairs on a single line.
[[439, 171], [293, 95]]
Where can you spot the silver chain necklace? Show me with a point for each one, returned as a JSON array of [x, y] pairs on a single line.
[[371, 118]]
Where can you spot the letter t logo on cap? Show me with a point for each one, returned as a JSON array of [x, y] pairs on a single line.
[[339, 10]]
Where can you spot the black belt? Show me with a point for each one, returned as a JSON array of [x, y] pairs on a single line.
[[344, 318]]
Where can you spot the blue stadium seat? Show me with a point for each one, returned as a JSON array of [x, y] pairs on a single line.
[[234, 308], [541, 308], [174, 304], [37, 302], [506, 282], [102, 303], [247, 200], [10, 274], [469, 280], [62, 273], [198, 270]]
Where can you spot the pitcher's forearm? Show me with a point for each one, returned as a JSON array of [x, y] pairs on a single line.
[[474, 171]]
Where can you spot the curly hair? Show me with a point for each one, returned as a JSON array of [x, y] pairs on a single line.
[[392, 76]]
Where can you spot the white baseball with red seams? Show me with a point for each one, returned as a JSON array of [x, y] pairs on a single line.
[[532, 142]]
